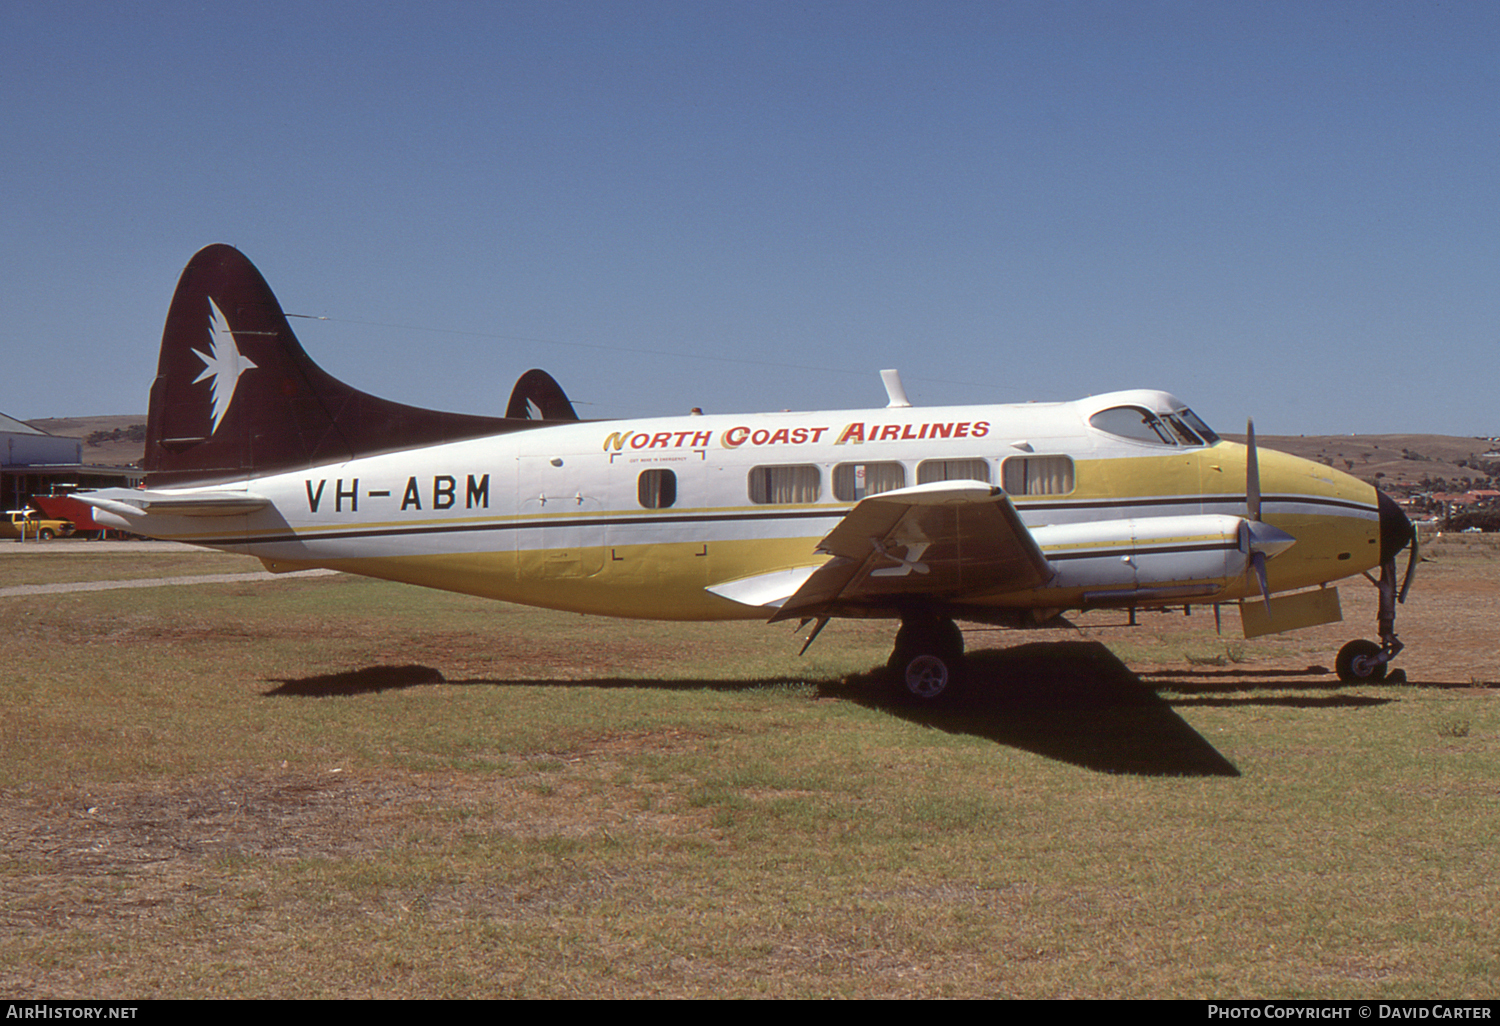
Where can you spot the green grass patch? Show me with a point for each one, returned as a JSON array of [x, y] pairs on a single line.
[[331, 787]]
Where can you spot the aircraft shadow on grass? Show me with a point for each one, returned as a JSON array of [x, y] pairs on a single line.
[[1072, 700]]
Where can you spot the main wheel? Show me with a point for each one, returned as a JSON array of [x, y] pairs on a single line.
[[47, 534], [1357, 663], [927, 663], [927, 679]]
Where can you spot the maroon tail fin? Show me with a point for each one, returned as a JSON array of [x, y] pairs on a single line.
[[537, 396], [235, 393]]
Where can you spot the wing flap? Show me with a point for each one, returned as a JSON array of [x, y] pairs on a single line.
[[770, 589], [946, 539]]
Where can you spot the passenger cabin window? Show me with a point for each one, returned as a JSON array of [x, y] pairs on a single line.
[[789, 484], [953, 470], [1037, 475], [853, 481], [657, 489]]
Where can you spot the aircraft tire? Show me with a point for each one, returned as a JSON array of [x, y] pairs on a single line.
[[1355, 663], [926, 678], [927, 663]]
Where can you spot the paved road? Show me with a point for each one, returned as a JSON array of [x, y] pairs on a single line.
[[82, 547], [154, 582]]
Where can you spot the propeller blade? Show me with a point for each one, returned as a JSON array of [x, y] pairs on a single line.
[[1252, 472], [1260, 542], [1258, 564]]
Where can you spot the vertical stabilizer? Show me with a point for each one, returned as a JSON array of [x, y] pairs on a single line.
[[235, 394], [537, 396]]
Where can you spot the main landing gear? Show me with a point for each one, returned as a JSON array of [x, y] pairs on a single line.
[[1365, 662], [927, 664]]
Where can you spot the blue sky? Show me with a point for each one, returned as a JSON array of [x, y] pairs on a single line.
[[1285, 210]]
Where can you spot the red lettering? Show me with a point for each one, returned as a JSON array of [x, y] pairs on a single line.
[[780, 436], [981, 428], [735, 437], [961, 430]]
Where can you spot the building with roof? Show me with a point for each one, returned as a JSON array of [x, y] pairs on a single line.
[[32, 462]]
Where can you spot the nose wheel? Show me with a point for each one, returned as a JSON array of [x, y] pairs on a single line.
[[1365, 662], [1359, 662]]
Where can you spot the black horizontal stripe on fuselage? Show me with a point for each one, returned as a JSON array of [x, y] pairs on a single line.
[[1024, 507]]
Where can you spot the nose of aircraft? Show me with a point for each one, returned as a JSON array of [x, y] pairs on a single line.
[[1396, 531]]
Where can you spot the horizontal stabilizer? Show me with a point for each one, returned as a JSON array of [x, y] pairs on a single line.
[[134, 503]]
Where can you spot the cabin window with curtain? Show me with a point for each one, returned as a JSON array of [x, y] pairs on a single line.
[[929, 471], [776, 486], [853, 481], [657, 489], [1037, 475]]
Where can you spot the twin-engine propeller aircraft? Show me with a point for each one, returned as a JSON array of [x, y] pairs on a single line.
[[1008, 515]]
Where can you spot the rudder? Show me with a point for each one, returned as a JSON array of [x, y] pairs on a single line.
[[236, 394]]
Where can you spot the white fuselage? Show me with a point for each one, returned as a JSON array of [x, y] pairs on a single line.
[[641, 518]]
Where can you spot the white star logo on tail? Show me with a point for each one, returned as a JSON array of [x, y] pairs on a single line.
[[223, 363]]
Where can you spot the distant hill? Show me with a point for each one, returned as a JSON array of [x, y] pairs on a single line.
[[128, 448], [1392, 459]]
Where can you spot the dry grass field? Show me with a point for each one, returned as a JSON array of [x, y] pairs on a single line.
[[333, 787]]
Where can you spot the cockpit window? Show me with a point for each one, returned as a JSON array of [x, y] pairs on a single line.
[[1184, 433], [1203, 430], [1134, 422], [1142, 425]]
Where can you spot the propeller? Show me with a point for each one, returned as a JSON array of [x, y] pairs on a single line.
[[1258, 540], [1252, 473]]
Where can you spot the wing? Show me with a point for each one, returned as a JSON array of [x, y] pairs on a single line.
[[944, 539]]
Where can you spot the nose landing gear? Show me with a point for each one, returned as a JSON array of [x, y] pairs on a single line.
[[1363, 662]]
